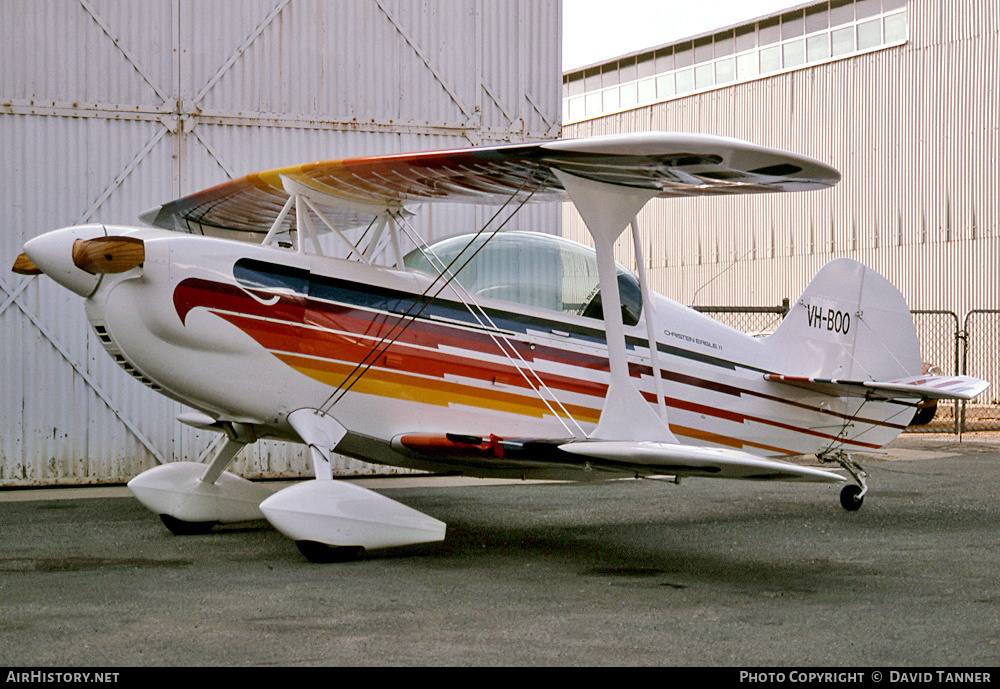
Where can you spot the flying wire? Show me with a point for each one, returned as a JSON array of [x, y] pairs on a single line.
[[409, 317], [497, 335]]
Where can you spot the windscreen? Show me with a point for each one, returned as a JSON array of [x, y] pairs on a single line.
[[537, 270]]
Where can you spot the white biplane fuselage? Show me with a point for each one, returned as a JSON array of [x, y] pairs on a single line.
[[247, 334], [510, 369]]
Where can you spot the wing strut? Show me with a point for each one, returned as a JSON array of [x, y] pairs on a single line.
[[303, 199], [276, 226], [607, 209], [650, 306]]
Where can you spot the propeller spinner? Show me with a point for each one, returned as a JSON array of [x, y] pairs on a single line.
[[76, 257]]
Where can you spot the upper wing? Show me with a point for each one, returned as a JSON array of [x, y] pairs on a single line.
[[915, 387], [352, 191], [644, 458]]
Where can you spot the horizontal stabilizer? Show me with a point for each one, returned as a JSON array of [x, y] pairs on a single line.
[[690, 460], [915, 387]]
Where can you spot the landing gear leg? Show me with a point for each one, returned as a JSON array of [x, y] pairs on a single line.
[[851, 497]]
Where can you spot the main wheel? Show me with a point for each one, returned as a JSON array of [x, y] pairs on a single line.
[[323, 552], [851, 498], [179, 527]]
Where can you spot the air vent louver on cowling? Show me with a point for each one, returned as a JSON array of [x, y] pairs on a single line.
[[111, 348]]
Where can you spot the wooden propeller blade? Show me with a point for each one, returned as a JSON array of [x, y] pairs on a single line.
[[108, 254], [25, 266]]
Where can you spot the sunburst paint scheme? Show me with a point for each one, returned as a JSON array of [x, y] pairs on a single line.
[[323, 327]]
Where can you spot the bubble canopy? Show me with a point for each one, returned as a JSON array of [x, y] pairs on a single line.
[[533, 269]]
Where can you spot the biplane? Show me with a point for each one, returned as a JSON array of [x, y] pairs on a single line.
[[494, 353]]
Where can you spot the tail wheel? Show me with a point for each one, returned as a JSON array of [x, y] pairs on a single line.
[[851, 498], [853, 495]]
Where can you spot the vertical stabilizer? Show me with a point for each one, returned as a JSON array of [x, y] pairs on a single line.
[[850, 323]]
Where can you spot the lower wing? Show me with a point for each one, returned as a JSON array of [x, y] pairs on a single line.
[[639, 457]]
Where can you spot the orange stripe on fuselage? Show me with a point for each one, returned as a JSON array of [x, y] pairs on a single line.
[[351, 348], [441, 393]]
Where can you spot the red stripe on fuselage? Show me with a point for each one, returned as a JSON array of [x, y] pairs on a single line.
[[275, 325], [353, 349], [194, 292]]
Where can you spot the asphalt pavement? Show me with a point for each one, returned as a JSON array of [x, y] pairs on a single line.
[[705, 573]]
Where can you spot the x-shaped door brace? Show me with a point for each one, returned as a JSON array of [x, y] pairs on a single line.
[[13, 297]]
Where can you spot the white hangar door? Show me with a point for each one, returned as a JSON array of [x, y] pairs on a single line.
[[108, 108], [86, 122]]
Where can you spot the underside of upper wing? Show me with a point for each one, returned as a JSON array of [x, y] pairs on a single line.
[[351, 191]]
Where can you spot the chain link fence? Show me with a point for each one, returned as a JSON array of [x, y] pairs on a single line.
[[753, 320], [939, 337], [981, 343], [945, 348]]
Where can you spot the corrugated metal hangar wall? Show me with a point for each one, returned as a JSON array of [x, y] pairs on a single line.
[[108, 108], [914, 128]]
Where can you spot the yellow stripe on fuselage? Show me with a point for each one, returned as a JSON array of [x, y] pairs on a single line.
[[382, 383]]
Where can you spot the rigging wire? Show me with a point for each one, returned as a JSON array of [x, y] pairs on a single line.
[[409, 317], [497, 335]]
